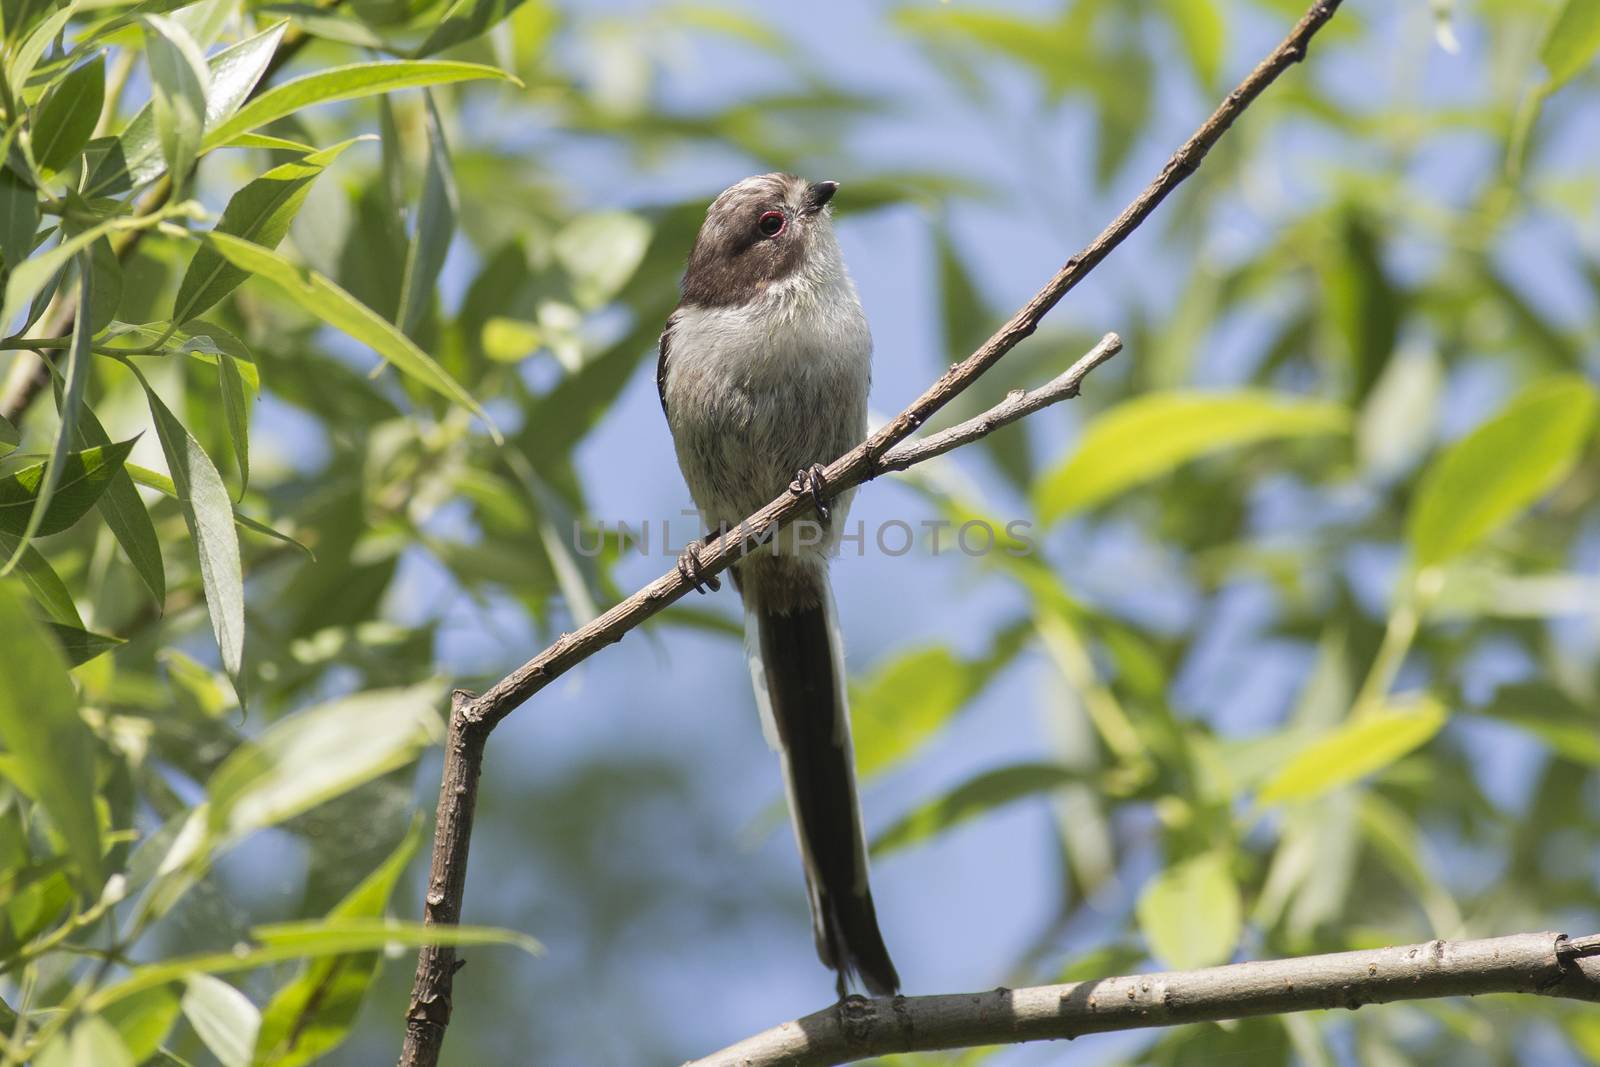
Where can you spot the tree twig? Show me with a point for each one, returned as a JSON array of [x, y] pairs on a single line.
[[856, 1028], [1018, 404], [472, 721]]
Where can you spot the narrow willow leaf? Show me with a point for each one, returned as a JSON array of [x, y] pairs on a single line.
[[92, 1042], [271, 144], [233, 73], [465, 20], [260, 212], [83, 477], [208, 512], [1572, 41], [77, 373], [1191, 914], [125, 514], [81, 646], [1150, 436], [41, 580], [345, 83], [10, 437], [1489, 477], [236, 406], [164, 485], [224, 1019], [67, 115], [317, 754], [20, 67], [336, 307], [308, 940], [1203, 33], [180, 80], [436, 223], [52, 748], [1365, 744], [31, 278], [600, 252], [313, 1013], [144, 1021], [974, 797], [19, 221]]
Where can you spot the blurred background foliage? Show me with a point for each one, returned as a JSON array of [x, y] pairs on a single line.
[[350, 309]]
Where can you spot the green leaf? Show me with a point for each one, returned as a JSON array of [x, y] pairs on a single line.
[[260, 213], [465, 20], [345, 83], [92, 1042], [236, 406], [1486, 479], [30, 277], [1572, 41], [83, 477], [1190, 913], [19, 221], [974, 797], [144, 1020], [9, 436], [334, 306], [1150, 436], [224, 1018], [71, 401], [436, 222], [208, 512], [52, 748], [68, 114], [600, 252], [1365, 744], [317, 754], [26, 57], [81, 646], [180, 80], [1570, 729], [233, 73], [41, 580], [308, 940], [904, 702], [125, 514], [1203, 33], [164, 485], [313, 1013]]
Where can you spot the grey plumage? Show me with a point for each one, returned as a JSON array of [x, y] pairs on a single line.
[[764, 371]]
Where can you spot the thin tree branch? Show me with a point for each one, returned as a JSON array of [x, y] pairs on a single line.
[[1547, 964], [1017, 404], [471, 722]]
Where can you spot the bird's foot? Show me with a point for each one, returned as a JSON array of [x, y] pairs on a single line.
[[689, 567], [811, 480]]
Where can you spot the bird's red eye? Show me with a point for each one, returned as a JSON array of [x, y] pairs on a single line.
[[772, 223]]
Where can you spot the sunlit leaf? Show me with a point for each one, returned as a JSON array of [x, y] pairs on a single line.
[[601, 252], [464, 20], [144, 1020], [1572, 41], [81, 646], [345, 83], [224, 1018], [1487, 478], [92, 1042], [52, 748], [1366, 744], [315, 755], [1204, 34], [208, 513], [1191, 914], [333, 305], [180, 80], [1150, 436], [260, 213]]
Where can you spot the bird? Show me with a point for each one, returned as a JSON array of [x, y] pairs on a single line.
[[763, 372]]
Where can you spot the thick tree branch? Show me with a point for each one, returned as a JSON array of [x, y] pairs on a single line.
[[856, 1028], [470, 723]]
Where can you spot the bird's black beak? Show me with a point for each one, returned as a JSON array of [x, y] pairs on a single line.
[[817, 196]]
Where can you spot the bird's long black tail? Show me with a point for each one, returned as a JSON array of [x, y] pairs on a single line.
[[796, 661]]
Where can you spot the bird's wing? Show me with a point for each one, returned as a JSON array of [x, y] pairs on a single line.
[[661, 360]]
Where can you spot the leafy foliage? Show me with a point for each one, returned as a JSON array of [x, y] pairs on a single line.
[[279, 452]]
